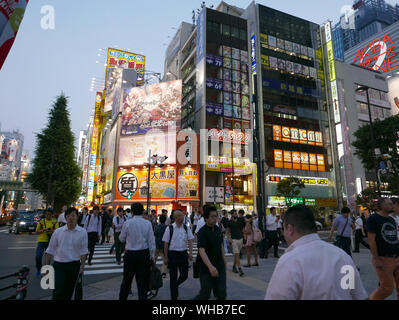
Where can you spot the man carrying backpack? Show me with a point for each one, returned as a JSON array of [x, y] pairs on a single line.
[[117, 225], [175, 252]]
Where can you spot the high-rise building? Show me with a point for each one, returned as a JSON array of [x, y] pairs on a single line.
[[11, 144], [226, 49], [368, 18]]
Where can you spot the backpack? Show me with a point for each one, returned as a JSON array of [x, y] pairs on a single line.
[[124, 219], [171, 233], [159, 232], [88, 221], [257, 235]]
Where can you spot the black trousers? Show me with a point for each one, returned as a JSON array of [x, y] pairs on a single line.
[[119, 246], [345, 244], [209, 283], [66, 275], [177, 260], [359, 240], [136, 263], [92, 240], [272, 241]]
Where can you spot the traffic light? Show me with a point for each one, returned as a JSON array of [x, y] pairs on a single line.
[[129, 195]]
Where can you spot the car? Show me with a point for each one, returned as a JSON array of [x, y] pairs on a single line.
[[24, 221], [319, 226]]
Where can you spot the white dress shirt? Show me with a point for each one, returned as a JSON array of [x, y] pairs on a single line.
[[179, 238], [196, 218], [118, 226], [94, 225], [68, 245], [271, 224], [61, 218], [138, 235], [358, 223], [167, 222], [310, 269]]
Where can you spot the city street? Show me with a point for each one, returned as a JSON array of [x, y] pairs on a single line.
[[102, 280]]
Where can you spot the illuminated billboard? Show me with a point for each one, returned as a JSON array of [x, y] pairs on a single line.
[[127, 60], [156, 106], [393, 94], [294, 135], [113, 89], [299, 160]]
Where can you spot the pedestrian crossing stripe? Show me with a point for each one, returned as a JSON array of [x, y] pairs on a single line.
[[105, 263]]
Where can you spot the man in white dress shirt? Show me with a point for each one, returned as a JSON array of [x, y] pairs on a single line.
[[312, 269], [93, 226], [140, 249], [68, 247], [61, 218], [175, 241], [272, 233], [117, 224]]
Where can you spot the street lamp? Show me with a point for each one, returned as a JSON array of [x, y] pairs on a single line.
[[153, 160], [362, 89]]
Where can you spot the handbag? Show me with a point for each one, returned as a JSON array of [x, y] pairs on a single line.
[[196, 267], [79, 288], [257, 235], [156, 281]]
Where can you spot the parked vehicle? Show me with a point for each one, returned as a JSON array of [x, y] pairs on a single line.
[[25, 221]]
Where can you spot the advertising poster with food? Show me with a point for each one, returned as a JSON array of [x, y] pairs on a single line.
[[162, 184], [188, 184], [151, 107], [133, 150]]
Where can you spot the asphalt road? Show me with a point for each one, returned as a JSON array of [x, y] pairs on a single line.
[[19, 250]]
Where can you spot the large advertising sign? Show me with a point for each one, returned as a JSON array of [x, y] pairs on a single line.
[[134, 150], [294, 135], [200, 61], [188, 184], [109, 157], [378, 55], [94, 147], [127, 60], [162, 184], [113, 89], [156, 106], [11, 15]]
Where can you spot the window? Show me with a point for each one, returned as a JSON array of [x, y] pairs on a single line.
[[362, 108], [235, 33], [243, 35], [226, 30]]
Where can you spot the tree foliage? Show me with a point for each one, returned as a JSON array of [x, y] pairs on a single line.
[[54, 161], [290, 187], [386, 137], [366, 199]]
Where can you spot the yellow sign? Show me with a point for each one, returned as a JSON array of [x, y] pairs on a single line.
[[331, 62], [265, 60], [326, 202]]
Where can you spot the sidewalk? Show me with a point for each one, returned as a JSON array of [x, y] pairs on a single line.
[[252, 286]]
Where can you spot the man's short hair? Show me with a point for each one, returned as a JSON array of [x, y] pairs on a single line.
[[395, 200], [104, 208], [49, 210], [162, 219], [272, 209], [207, 211], [119, 209], [241, 211], [164, 211], [70, 211], [137, 209], [128, 210], [345, 210], [96, 208], [301, 218], [153, 211]]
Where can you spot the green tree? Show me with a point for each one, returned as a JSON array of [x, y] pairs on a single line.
[[290, 187], [55, 173]]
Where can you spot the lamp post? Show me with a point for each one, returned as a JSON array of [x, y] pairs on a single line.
[[172, 74], [155, 158], [360, 89]]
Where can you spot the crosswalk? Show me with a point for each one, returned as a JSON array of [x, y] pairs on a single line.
[[105, 263], [4, 231]]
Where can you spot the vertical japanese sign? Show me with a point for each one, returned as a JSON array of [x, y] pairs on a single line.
[[200, 75], [331, 67], [11, 15], [94, 147], [253, 62]]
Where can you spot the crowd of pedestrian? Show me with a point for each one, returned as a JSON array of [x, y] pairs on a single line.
[[141, 237]]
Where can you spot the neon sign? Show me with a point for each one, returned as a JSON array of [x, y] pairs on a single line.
[[377, 55]]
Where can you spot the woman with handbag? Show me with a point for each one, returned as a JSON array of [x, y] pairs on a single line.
[[250, 243]]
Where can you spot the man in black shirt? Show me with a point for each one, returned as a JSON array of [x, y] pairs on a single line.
[[384, 246], [212, 264], [235, 236]]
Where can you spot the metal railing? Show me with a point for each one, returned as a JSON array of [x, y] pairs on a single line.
[[21, 285]]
